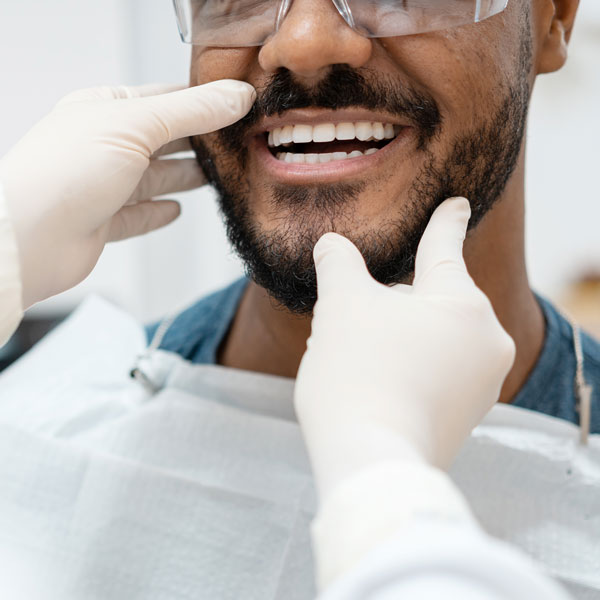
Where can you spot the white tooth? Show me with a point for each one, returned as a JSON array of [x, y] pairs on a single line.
[[298, 158], [325, 158], [345, 131], [388, 131], [277, 136], [355, 154], [287, 134], [378, 131], [270, 140], [302, 134], [281, 156], [364, 130], [289, 157], [325, 132], [371, 151], [311, 159], [339, 156]]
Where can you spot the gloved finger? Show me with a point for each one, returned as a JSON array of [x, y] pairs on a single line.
[[143, 91], [182, 145], [120, 92], [168, 177], [339, 264], [142, 218], [194, 111], [440, 266], [401, 288]]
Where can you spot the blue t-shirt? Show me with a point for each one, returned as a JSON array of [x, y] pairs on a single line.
[[197, 333]]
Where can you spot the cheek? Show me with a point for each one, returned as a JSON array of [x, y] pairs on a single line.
[[465, 69], [212, 64]]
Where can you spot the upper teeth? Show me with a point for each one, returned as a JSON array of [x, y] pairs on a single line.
[[327, 132]]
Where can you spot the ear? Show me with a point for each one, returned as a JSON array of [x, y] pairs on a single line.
[[557, 25]]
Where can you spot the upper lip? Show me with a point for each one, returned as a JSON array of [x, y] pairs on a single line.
[[318, 116]]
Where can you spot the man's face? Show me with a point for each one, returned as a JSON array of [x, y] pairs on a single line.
[[456, 101]]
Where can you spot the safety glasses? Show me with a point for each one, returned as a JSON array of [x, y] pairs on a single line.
[[235, 23]]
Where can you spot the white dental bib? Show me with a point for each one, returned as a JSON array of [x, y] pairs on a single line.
[[203, 489]]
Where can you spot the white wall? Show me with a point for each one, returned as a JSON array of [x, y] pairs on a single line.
[[50, 48], [563, 190]]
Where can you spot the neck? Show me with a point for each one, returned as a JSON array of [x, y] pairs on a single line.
[[268, 339]]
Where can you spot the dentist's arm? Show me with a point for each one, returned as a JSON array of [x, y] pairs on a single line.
[[392, 382], [86, 175]]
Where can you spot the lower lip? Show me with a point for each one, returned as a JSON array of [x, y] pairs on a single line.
[[333, 171]]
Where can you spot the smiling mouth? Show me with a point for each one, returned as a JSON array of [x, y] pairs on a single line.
[[327, 142]]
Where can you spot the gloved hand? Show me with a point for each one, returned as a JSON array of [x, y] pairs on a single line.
[[86, 174], [400, 372]]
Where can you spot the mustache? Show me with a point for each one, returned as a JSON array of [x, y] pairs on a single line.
[[342, 87]]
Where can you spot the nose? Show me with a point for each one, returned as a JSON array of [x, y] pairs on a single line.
[[312, 37]]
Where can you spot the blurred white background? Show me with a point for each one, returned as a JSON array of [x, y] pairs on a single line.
[[48, 49]]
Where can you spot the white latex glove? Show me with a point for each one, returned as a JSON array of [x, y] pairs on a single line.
[[398, 373], [86, 174]]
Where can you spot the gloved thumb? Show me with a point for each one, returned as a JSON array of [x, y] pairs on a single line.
[[440, 266], [339, 264]]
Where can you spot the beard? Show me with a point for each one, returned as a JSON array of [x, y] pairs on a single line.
[[477, 166]]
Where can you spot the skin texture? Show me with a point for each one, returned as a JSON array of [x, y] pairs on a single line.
[[467, 71]]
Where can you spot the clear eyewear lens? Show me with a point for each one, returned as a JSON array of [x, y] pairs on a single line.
[[239, 23]]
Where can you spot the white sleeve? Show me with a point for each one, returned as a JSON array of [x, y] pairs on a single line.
[[401, 529], [11, 311], [433, 559]]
